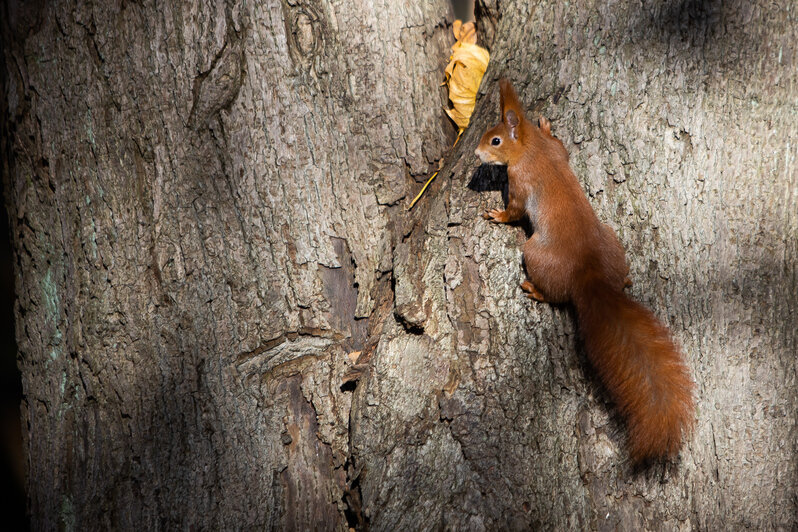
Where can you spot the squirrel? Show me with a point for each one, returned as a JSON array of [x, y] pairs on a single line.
[[572, 257]]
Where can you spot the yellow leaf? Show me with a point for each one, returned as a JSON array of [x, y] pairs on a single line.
[[464, 72]]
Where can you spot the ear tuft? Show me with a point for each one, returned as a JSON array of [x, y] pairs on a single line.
[[505, 87], [509, 99]]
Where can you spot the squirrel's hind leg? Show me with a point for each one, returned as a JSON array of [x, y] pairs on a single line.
[[532, 292], [548, 273]]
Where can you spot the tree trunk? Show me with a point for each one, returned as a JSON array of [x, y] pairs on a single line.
[[228, 319]]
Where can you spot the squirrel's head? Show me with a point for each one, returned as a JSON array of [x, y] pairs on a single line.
[[502, 143], [507, 141]]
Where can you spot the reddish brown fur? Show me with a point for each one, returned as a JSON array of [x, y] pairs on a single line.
[[573, 257]]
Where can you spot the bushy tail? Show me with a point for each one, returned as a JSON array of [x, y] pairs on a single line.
[[639, 365]]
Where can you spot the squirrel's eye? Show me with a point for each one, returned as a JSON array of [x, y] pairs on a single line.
[[495, 141]]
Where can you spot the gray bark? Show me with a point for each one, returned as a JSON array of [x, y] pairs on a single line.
[[227, 319]]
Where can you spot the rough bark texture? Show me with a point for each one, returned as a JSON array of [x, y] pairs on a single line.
[[227, 319]]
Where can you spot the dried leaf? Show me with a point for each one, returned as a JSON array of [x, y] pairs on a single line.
[[464, 72]]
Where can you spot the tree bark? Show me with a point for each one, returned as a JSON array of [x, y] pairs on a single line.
[[228, 319]]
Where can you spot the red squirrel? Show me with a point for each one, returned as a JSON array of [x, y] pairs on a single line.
[[573, 257]]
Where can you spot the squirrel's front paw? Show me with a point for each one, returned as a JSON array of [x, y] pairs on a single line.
[[495, 215]]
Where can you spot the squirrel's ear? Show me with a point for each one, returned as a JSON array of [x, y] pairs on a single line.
[[511, 107], [511, 121], [545, 125]]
